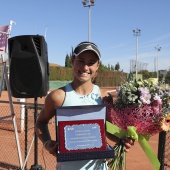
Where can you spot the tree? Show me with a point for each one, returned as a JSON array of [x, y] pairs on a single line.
[[67, 61], [112, 68], [117, 66], [167, 77], [146, 74], [109, 67]]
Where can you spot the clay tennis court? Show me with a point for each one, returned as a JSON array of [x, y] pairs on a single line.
[[135, 159]]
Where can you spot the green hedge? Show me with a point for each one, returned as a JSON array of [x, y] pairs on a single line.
[[103, 79], [110, 78], [60, 73]]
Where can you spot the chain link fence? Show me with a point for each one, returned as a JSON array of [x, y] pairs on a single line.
[[166, 157], [8, 148], [164, 150], [25, 124]]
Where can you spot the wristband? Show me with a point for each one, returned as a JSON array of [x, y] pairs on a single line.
[[45, 143]]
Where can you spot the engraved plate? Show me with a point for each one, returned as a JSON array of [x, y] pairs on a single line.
[[83, 136]]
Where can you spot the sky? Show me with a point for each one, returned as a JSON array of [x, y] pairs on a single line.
[[64, 24]]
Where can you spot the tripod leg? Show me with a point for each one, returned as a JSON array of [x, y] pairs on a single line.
[[13, 114], [28, 154]]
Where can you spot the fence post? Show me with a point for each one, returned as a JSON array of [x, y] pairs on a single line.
[[161, 148], [22, 114]]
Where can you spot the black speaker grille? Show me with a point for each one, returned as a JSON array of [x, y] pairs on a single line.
[[37, 43], [26, 76]]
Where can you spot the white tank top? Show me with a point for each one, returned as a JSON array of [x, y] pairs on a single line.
[[74, 99]]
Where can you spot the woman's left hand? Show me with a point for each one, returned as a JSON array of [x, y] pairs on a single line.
[[128, 142]]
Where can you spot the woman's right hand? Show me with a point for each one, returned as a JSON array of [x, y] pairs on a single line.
[[51, 147]]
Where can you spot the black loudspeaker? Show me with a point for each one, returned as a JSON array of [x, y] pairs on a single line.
[[29, 68]]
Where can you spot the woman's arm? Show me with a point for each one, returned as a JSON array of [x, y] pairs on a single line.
[[52, 100]]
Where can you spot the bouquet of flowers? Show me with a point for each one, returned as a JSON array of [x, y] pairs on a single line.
[[140, 111]]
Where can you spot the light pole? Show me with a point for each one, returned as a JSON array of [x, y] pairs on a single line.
[[136, 33], [158, 50], [88, 3]]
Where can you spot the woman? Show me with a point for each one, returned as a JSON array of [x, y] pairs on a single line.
[[81, 91]]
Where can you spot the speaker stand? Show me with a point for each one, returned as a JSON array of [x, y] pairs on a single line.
[[35, 166]]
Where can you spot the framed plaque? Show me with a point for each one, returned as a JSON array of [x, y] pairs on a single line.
[[81, 136], [81, 133]]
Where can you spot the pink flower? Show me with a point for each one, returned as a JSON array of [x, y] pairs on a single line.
[[157, 98], [156, 107]]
